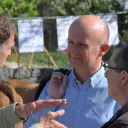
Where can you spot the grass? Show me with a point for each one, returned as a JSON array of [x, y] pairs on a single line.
[[40, 58]]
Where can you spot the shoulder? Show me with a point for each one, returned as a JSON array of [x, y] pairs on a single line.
[[119, 125], [121, 122], [123, 118]]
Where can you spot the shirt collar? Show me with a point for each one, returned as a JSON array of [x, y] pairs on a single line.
[[93, 80], [97, 77], [74, 77]]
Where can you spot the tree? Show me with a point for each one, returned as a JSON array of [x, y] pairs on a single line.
[[82, 7], [123, 23], [20, 8]]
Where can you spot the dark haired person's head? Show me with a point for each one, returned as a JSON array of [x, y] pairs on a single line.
[[117, 73], [7, 31]]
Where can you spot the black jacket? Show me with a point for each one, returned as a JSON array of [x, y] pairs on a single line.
[[120, 119]]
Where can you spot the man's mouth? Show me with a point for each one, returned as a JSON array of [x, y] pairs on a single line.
[[72, 57], [75, 58]]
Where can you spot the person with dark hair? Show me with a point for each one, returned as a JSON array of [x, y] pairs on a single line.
[[86, 89], [117, 77], [17, 112]]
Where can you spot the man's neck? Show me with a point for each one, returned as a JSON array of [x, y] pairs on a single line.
[[124, 99], [84, 74], [121, 98], [122, 102]]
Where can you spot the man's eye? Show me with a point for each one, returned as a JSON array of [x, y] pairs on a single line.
[[83, 45]]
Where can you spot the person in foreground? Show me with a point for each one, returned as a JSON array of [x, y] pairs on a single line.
[[117, 77], [17, 112], [88, 104]]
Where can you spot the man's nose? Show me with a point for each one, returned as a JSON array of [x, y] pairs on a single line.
[[76, 49]]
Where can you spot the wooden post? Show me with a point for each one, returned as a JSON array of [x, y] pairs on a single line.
[[51, 59], [31, 60]]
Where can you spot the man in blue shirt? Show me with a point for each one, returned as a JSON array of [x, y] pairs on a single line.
[[85, 88]]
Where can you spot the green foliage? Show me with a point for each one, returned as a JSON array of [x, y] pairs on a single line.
[[40, 58], [25, 8], [20, 8], [82, 7], [125, 34], [123, 23], [33, 8]]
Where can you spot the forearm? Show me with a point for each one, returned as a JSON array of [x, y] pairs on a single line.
[[8, 116]]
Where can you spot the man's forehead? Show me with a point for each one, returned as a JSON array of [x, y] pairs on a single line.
[[77, 34]]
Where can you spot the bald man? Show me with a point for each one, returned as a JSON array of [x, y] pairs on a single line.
[[86, 90]]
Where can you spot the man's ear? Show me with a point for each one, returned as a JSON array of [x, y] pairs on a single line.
[[103, 49], [124, 78]]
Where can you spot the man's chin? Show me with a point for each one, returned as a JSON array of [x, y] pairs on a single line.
[[75, 62], [76, 66]]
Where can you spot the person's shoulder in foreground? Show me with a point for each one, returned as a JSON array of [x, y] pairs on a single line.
[[120, 118], [8, 117], [121, 122]]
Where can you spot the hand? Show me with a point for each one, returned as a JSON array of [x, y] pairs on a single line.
[[57, 85], [47, 121], [25, 110]]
